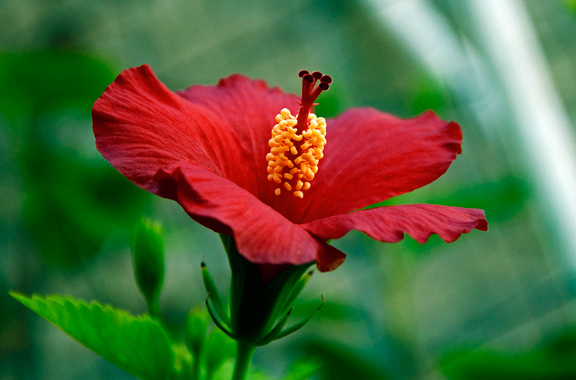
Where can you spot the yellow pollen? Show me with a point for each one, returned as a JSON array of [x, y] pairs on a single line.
[[305, 151]]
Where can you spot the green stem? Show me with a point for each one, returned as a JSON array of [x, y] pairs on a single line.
[[196, 366], [243, 358], [154, 307]]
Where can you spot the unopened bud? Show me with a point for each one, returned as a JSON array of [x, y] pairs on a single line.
[[148, 259], [196, 327]]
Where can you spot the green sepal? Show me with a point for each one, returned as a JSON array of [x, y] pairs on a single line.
[[275, 331], [148, 260], [284, 307], [217, 321], [137, 344], [214, 295], [255, 306], [299, 325]]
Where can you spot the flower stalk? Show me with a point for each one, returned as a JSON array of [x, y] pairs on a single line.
[[243, 359]]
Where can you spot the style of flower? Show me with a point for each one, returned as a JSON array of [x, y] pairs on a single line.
[[238, 162]]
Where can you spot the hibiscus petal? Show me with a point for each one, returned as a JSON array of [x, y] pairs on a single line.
[[249, 107], [262, 235], [389, 224], [371, 156], [141, 126], [329, 258]]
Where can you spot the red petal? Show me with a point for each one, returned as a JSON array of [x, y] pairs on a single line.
[[371, 156], [141, 126], [329, 258], [389, 224], [262, 235], [249, 108]]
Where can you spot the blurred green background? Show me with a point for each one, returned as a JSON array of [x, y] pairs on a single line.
[[495, 305]]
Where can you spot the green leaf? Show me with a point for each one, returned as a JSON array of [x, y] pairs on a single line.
[[137, 344]]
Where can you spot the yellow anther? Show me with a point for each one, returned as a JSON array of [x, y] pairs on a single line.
[[294, 171]]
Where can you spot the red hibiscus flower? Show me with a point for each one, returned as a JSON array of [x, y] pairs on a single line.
[[210, 149]]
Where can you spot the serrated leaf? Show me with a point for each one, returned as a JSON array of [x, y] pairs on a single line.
[[137, 344]]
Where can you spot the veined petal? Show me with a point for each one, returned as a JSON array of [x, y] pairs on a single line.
[[262, 235], [389, 224], [249, 108], [372, 156], [141, 126]]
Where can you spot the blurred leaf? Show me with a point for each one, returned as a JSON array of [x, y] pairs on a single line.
[[427, 94], [501, 200], [136, 344], [219, 349], [303, 369], [553, 360], [71, 205], [571, 5], [331, 103], [341, 363], [38, 82]]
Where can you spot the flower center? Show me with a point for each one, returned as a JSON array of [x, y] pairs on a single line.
[[297, 142]]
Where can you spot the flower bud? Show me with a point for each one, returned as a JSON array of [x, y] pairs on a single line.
[[148, 260], [195, 335]]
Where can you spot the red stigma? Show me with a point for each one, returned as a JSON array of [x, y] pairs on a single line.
[[310, 93]]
